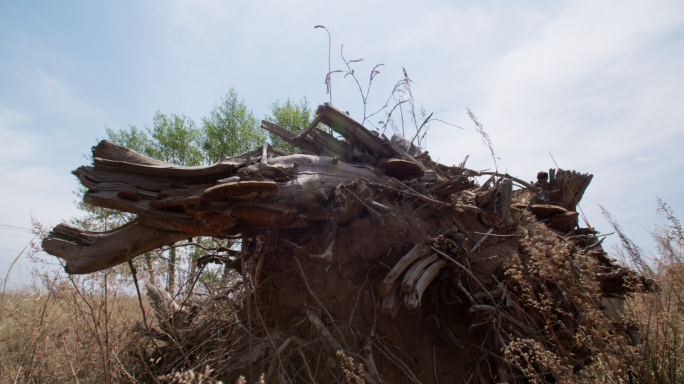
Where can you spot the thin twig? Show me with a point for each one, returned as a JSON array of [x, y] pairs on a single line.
[[482, 239]]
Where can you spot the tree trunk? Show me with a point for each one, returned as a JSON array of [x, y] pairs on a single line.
[[171, 284], [149, 267], [348, 235]]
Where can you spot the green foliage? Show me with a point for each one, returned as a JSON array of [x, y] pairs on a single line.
[[175, 140], [231, 128], [291, 116], [132, 138]]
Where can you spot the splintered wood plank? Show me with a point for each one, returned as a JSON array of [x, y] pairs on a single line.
[[416, 271], [412, 300], [417, 252], [354, 132]]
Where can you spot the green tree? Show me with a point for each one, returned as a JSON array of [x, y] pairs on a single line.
[[292, 116], [231, 128], [175, 139], [132, 138]]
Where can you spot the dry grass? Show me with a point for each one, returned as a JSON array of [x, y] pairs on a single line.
[[656, 353], [68, 331]]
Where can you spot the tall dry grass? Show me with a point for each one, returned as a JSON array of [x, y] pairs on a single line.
[[655, 353], [69, 330]]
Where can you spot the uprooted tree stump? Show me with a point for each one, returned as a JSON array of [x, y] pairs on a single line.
[[361, 262]]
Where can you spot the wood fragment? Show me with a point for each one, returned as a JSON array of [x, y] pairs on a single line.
[[405, 155], [377, 205], [418, 251], [415, 271], [505, 198], [506, 175], [412, 300], [277, 151], [355, 133], [323, 330], [390, 303], [454, 185], [310, 127], [465, 291]]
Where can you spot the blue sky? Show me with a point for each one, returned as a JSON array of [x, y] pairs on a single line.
[[599, 84]]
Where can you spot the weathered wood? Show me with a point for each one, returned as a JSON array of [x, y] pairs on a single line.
[[277, 151], [416, 271], [288, 136], [323, 330], [163, 303], [505, 198], [418, 251], [173, 204], [391, 303], [316, 143], [126, 160], [311, 126], [354, 132], [87, 251], [263, 163], [506, 175], [572, 186], [333, 147], [412, 300], [454, 185]]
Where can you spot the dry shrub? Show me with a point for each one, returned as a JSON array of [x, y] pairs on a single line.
[[558, 290]]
